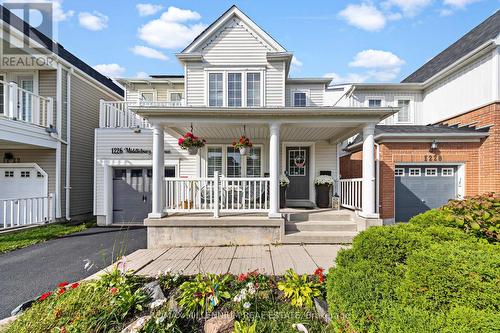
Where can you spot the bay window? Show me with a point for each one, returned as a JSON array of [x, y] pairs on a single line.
[[215, 92], [229, 88], [234, 89]]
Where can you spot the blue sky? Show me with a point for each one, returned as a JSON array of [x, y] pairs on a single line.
[[357, 40]]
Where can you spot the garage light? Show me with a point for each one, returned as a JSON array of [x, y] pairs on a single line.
[[434, 145]]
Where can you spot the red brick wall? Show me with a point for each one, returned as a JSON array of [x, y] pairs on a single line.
[[481, 159]]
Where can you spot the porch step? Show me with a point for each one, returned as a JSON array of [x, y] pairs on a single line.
[[326, 216], [323, 226], [319, 237]]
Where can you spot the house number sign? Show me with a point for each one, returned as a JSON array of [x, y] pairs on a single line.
[[129, 150], [433, 158]]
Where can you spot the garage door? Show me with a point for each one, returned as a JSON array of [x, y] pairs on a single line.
[[132, 193], [22, 182], [423, 187]]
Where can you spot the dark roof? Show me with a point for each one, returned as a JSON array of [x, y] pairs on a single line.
[[161, 76], [421, 129], [56, 48], [487, 30]]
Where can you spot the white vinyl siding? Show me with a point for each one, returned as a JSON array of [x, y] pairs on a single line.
[[195, 84], [275, 84], [315, 93]]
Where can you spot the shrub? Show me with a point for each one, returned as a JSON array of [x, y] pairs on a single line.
[[479, 215], [300, 290], [411, 278]]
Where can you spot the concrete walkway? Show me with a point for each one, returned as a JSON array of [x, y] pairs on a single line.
[[267, 259]]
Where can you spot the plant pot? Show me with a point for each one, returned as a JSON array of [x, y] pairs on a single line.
[[244, 151], [193, 150], [323, 195], [282, 196]]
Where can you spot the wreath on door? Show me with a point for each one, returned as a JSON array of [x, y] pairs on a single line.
[[300, 160]]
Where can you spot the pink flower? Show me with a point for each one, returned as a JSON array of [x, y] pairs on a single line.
[[113, 290], [181, 141]]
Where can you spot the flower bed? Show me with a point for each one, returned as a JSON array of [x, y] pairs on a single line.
[[246, 303]]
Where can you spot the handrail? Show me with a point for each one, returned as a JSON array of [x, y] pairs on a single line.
[[16, 212], [351, 193]]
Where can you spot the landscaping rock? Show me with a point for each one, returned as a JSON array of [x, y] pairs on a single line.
[[322, 309], [154, 291], [136, 325], [4, 323], [22, 307], [221, 324], [172, 305]]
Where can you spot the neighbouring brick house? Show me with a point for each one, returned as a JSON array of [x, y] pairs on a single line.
[[445, 141]]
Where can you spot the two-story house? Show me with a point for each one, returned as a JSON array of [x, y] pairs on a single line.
[[236, 82], [444, 142], [48, 113]]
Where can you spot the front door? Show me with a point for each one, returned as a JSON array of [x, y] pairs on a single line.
[[297, 168]]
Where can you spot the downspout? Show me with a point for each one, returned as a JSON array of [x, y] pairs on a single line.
[[377, 176], [68, 144]]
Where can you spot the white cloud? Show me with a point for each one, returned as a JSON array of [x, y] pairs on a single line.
[[168, 31], [296, 62], [148, 52], [110, 70], [408, 7], [349, 78], [376, 59], [459, 3], [364, 16], [146, 9], [141, 75], [93, 21]]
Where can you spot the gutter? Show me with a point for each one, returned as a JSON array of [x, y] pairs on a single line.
[[67, 187]]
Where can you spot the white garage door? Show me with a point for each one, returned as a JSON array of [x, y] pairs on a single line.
[[22, 182]]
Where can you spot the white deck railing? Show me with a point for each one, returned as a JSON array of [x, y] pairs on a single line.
[[23, 105], [350, 193], [116, 114], [217, 194], [18, 212]]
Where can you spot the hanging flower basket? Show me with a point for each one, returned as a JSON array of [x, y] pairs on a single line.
[[191, 143], [243, 145]]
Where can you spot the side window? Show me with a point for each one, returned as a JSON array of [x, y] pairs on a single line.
[[404, 115], [374, 103], [175, 97], [215, 92], [299, 99], [147, 96], [214, 160], [234, 89]]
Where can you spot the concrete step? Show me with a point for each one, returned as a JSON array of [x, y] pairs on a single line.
[[318, 237], [328, 216], [324, 226]]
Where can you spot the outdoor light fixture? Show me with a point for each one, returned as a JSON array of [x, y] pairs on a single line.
[[434, 145], [137, 130]]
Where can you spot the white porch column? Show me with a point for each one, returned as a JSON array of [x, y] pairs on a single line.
[[158, 172], [274, 170], [368, 187]]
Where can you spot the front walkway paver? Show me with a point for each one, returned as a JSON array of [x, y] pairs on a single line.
[[267, 259]]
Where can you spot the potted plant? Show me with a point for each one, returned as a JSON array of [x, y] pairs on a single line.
[[191, 143], [243, 145], [323, 185], [284, 182]]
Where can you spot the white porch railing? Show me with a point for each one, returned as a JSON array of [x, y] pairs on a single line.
[[18, 212], [350, 193], [21, 104], [116, 114], [217, 194]]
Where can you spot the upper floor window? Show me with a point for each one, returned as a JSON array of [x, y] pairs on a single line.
[[374, 103], [299, 99], [215, 92], [403, 116], [175, 97], [234, 89], [253, 89], [147, 96]]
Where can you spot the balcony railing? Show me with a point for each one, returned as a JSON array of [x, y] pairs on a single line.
[[217, 194], [21, 104], [350, 193]]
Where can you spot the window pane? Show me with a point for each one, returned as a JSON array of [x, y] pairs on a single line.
[[299, 99], [233, 162], [214, 160], [253, 89], [147, 96], [175, 97], [234, 89], [254, 159], [404, 114], [215, 89], [374, 103]]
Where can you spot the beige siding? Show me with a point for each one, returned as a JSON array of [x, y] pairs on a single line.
[[315, 92], [45, 158], [326, 158], [84, 119], [118, 138], [235, 44], [195, 84], [47, 82], [162, 91], [275, 84]]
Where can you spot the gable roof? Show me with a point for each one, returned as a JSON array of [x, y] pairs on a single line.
[[56, 48], [486, 31], [225, 17]]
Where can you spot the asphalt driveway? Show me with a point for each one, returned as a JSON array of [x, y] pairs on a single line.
[[28, 272]]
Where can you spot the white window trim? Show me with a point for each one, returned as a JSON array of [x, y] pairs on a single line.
[[414, 169], [411, 111], [430, 169], [224, 159], [448, 169], [381, 98], [399, 169], [225, 83], [170, 92], [298, 90]]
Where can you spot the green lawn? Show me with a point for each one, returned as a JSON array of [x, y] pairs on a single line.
[[23, 238]]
